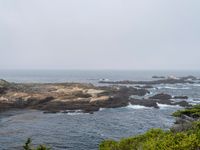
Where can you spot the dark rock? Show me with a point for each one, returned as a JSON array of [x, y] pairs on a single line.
[[133, 91], [91, 109], [51, 112], [19, 103], [3, 86], [34, 101], [112, 102], [158, 77], [182, 103], [161, 96], [82, 95], [144, 102], [182, 123], [185, 126], [144, 87], [189, 78], [123, 91], [3, 90], [180, 97]]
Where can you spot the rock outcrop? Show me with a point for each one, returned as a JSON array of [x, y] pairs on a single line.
[[57, 97], [161, 96], [185, 118], [67, 97], [180, 97]]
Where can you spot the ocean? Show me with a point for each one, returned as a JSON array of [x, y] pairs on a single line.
[[82, 131]]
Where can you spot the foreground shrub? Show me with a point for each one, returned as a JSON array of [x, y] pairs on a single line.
[[28, 146], [157, 139], [193, 112]]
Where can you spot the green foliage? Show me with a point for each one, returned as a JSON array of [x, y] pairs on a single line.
[[28, 146], [157, 139], [192, 112]]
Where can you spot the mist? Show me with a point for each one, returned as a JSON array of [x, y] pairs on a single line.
[[106, 34]]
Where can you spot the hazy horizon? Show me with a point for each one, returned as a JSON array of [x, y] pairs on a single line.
[[99, 35]]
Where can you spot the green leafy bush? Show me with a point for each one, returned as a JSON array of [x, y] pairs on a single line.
[[157, 139], [28, 146], [192, 112]]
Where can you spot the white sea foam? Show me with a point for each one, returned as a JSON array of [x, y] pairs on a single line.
[[193, 101], [76, 112], [136, 106], [174, 88], [195, 84], [101, 109], [164, 106]]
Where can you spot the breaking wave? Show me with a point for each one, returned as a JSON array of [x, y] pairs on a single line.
[[136, 106], [164, 106]]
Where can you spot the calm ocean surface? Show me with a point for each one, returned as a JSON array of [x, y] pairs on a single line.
[[84, 76], [77, 131]]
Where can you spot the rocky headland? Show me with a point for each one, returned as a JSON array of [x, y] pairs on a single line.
[[55, 97], [69, 97]]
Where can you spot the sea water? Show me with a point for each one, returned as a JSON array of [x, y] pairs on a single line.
[[82, 131]]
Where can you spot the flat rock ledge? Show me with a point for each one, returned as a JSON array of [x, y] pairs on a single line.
[[65, 97], [73, 97]]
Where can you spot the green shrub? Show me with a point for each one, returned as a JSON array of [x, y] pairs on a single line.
[[192, 112], [28, 146], [157, 139]]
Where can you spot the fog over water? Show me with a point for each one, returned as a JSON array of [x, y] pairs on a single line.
[[104, 34]]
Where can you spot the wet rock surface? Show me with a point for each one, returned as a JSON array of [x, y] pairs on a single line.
[[180, 97], [161, 96]]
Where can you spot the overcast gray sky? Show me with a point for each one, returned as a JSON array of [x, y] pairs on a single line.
[[100, 34]]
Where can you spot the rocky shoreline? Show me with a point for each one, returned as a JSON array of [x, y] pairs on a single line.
[[55, 97], [70, 97]]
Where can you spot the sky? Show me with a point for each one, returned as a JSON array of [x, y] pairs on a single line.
[[100, 34]]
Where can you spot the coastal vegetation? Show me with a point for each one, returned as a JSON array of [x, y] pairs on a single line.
[[157, 139], [193, 112], [28, 146]]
